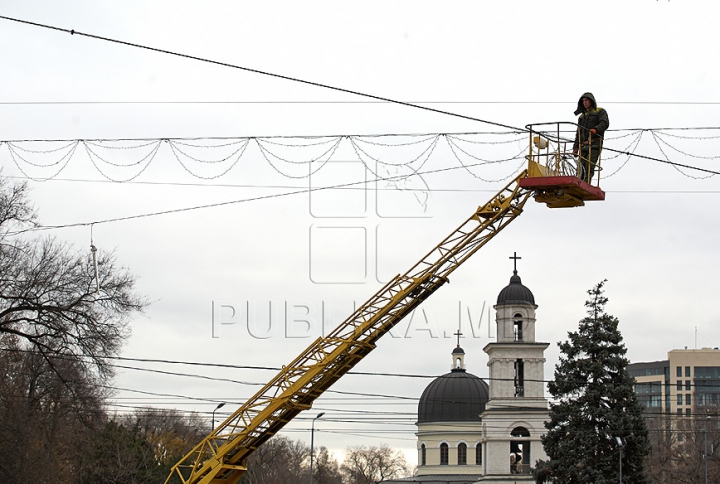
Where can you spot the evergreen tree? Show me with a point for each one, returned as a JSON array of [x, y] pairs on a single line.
[[121, 455], [595, 402]]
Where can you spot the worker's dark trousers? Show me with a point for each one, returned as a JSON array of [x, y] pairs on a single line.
[[588, 162]]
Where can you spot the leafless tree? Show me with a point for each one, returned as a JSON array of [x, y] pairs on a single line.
[[169, 432], [678, 449], [62, 313], [57, 300], [326, 469], [48, 413], [368, 465], [278, 461]]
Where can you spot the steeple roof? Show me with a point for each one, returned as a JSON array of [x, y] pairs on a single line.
[[457, 396], [515, 292]]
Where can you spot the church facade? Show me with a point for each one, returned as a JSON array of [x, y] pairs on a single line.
[[470, 431]]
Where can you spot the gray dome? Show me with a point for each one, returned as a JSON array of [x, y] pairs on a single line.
[[457, 396], [515, 293]]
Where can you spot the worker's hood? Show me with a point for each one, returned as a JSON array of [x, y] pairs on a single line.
[[580, 107]]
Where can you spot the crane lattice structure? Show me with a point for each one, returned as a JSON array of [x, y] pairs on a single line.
[[221, 457]]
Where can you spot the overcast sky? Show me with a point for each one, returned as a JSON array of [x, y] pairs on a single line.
[[649, 63]]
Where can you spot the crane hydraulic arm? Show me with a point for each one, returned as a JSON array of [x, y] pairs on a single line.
[[220, 457]]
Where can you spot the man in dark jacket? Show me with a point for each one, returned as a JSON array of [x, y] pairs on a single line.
[[592, 123]]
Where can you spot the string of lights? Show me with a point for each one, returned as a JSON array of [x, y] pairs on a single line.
[[22, 154]]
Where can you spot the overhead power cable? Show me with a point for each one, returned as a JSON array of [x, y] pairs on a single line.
[[60, 103], [243, 200], [414, 172], [304, 81], [355, 135], [264, 73], [668, 162]]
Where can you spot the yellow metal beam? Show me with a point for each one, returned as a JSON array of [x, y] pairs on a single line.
[[220, 457]]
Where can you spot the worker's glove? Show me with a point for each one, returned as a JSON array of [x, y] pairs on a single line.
[[593, 131]]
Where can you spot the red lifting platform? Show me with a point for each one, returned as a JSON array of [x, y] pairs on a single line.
[[562, 191], [552, 170]]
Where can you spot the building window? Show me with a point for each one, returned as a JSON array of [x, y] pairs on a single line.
[[707, 372], [520, 451], [687, 412], [687, 385], [678, 371], [478, 454], [687, 371], [679, 385], [462, 454], [649, 387], [517, 327], [687, 399], [443, 454], [519, 379], [679, 411], [423, 455], [659, 370], [679, 398]]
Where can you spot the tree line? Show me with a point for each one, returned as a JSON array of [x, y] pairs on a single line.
[[64, 313]]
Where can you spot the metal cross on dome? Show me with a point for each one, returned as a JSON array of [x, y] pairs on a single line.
[[515, 259], [458, 334]]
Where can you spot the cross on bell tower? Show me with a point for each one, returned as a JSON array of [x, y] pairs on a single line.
[[515, 258], [458, 354]]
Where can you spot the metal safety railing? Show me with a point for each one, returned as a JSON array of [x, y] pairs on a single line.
[[520, 469], [551, 148]]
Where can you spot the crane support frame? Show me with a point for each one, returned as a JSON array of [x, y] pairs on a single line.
[[220, 458]]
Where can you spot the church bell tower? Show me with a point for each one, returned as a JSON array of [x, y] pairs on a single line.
[[514, 415]]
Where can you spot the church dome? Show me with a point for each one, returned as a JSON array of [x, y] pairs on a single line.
[[457, 396], [515, 293]]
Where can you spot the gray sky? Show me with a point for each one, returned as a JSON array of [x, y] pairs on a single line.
[[655, 238]]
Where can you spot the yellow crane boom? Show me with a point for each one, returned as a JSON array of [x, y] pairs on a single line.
[[220, 458]]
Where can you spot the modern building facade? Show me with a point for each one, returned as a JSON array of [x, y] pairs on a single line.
[[686, 384]]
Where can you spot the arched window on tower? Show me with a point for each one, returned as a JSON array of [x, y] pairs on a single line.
[[443, 454], [519, 378], [478, 454], [462, 454], [423, 455], [517, 327], [520, 451]]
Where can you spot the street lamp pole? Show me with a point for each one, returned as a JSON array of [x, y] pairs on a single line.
[[312, 443], [220, 405], [705, 457], [620, 442]]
